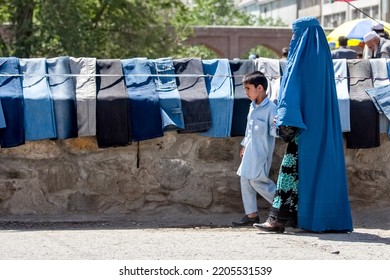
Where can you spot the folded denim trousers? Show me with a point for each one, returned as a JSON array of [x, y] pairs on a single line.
[[63, 92], [241, 102], [193, 94], [11, 98], [145, 111], [380, 77], [341, 80], [364, 116], [112, 106], [2, 119], [220, 90], [170, 104]]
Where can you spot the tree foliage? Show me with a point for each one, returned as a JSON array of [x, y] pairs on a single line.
[[111, 28], [95, 28]]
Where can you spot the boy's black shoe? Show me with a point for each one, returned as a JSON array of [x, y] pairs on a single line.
[[246, 221]]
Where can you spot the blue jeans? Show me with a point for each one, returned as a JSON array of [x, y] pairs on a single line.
[[341, 80], [220, 90], [381, 99], [11, 98], [193, 94], [145, 112], [171, 111], [39, 121], [241, 102], [2, 119], [63, 92], [85, 87]]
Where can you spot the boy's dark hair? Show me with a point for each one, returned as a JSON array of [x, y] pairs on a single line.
[[256, 78]]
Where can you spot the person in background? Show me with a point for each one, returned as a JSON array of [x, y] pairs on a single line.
[[311, 190], [376, 46], [257, 148], [379, 29], [343, 51], [284, 53]]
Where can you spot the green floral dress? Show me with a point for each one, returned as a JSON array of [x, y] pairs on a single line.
[[285, 204]]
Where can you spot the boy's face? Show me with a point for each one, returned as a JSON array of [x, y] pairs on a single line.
[[253, 93]]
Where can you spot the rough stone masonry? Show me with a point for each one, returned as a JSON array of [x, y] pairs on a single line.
[[185, 173]]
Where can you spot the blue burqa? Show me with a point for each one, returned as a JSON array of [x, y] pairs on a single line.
[[308, 100]]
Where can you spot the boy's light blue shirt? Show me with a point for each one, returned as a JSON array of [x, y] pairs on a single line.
[[259, 140]]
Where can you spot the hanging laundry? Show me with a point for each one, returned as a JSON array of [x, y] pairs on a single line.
[[2, 119], [62, 88], [11, 98], [164, 78], [341, 80], [193, 94], [271, 69], [145, 112], [39, 117], [381, 98], [220, 90], [380, 77], [112, 107], [241, 102], [85, 83], [364, 116]]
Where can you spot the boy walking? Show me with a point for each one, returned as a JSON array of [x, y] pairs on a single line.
[[257, 148]]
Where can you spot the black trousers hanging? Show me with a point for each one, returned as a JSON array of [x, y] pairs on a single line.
[[112, 105]]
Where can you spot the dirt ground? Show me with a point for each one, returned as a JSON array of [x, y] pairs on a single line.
[[171, 236]]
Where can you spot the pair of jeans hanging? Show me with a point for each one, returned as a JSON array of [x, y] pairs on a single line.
[[164, 78], [241, 102], [11, 97], [2, 119], [85, 87], [341, 80], [364, 116], [39, 121], [145, 112], [63, 93], [112, 106], [220, 90], [380, 77], [193, 94]]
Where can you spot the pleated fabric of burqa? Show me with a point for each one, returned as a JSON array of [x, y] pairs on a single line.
[[11, 98], [144, 107], [64, 96], [85, 86], [193, 94], [364, 130], [112, 106], [308, 101], [241, 102]]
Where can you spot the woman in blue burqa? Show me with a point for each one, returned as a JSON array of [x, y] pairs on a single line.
[[311, 195]]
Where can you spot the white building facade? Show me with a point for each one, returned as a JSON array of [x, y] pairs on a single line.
[[329, 14]]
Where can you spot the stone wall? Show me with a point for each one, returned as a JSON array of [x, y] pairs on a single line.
[[183, 173]]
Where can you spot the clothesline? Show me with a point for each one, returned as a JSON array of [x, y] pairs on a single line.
[[160, 75]]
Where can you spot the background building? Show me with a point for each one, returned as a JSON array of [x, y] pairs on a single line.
[[329, 14]]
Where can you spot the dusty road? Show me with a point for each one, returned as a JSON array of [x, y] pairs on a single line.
[[207, 237]]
